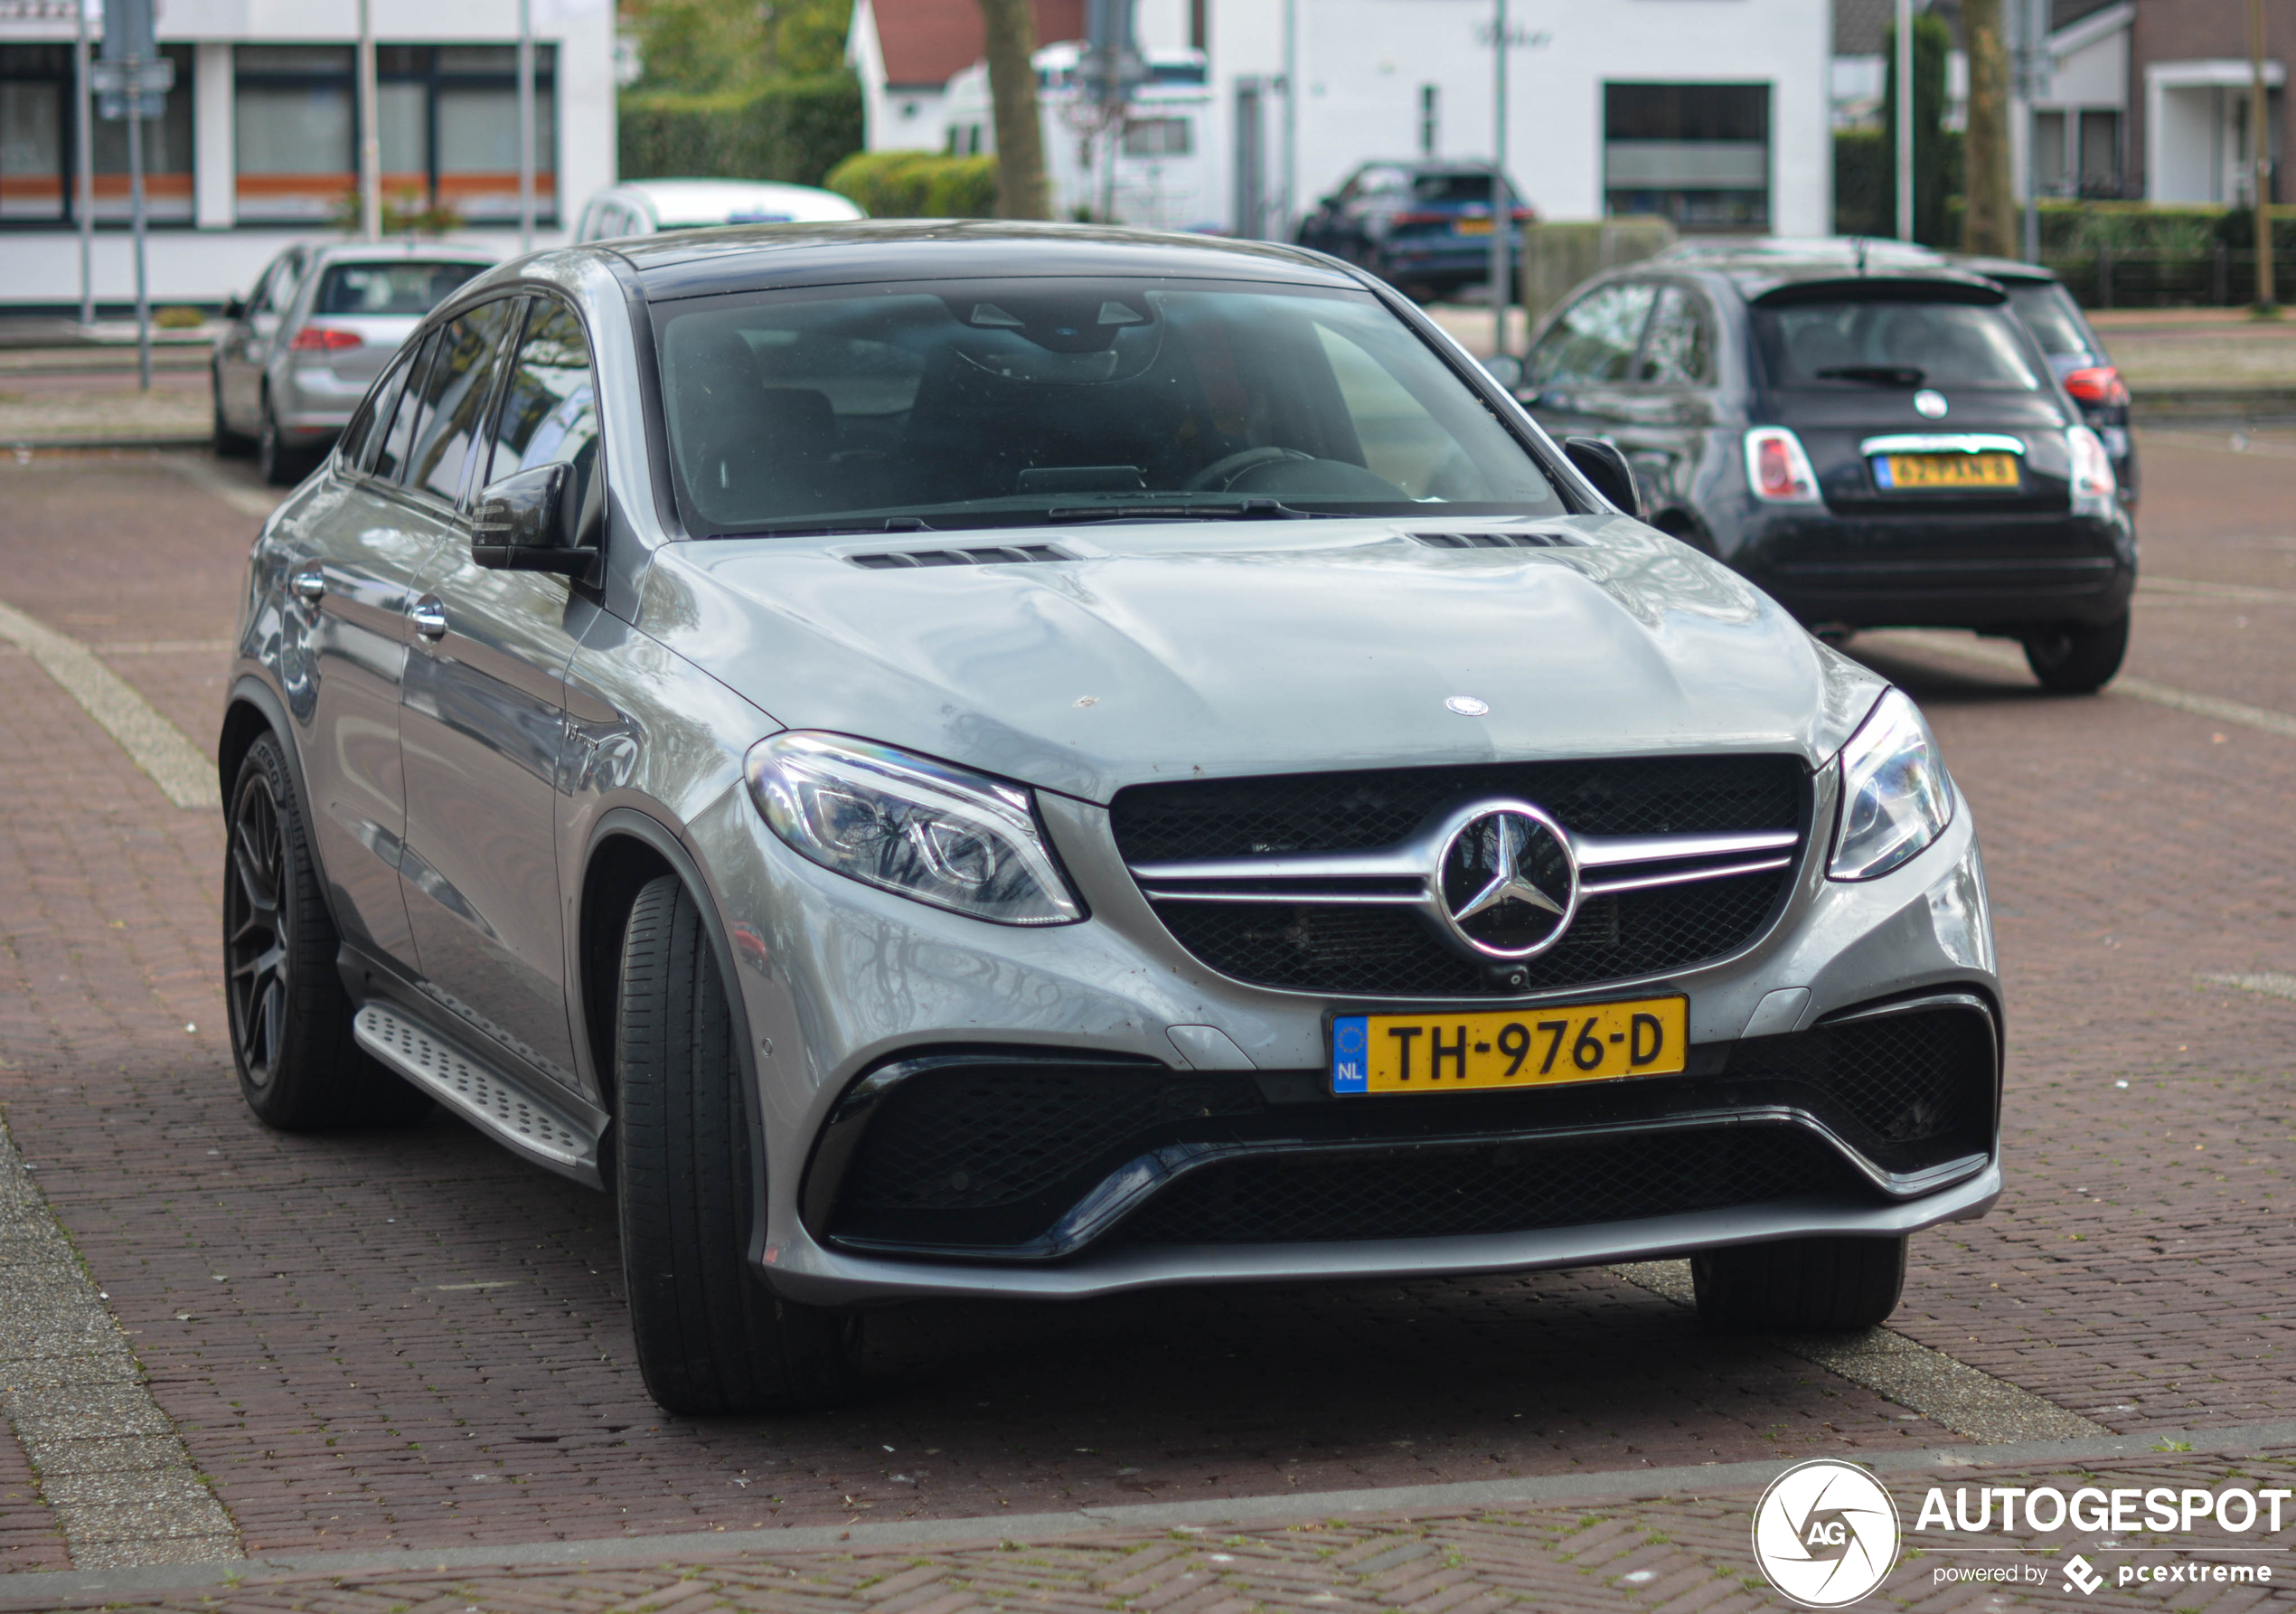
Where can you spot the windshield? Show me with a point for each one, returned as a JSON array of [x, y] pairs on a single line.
[[993, 401], [2049, 312], [1856, 343], [397, 287]]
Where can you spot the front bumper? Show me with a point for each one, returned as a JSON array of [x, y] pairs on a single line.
[[845, 981]]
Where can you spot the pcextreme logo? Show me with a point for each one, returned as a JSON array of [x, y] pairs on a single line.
[[1826, 1534]]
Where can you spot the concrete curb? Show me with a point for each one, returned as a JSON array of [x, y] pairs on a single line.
[[41, 1590], [157, 746], [49, 445]]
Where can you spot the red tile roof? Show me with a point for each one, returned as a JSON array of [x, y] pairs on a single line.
[[928, 42]]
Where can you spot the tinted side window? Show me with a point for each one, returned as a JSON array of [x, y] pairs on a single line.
[[398, 439], [366, 430], [1676, 345], [1595, 338], [455, 394], [550, 404]]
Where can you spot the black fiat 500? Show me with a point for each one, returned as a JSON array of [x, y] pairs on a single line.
[[1876, 444]]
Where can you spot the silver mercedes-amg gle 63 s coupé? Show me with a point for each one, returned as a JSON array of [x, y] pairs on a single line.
[[977, 760]]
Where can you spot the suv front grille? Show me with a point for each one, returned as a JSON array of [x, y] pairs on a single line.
[[1172, 834]]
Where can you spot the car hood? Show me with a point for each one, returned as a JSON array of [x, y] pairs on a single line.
[[1204, 650]]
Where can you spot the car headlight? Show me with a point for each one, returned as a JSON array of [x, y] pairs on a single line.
[[1895, 797], [938, 834]]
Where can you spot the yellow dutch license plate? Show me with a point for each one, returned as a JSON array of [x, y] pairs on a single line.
[[1435, 1052], [1950, 470], [1471, 226]]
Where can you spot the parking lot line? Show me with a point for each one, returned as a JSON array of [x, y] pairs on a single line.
[[156, 746], [2136, 689], [111, 1468], [1963, 1399]]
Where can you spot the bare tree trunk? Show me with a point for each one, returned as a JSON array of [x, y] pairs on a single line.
[[1989, 220], [1012, 85]]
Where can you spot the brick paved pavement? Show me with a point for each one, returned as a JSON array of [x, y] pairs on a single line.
[[1679, 1553], [306, 1309]]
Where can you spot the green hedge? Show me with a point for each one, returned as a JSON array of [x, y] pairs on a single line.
[[917, 184], [1865, 187], [792, 130]]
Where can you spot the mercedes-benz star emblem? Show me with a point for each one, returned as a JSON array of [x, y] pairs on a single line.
[[1508, 881]]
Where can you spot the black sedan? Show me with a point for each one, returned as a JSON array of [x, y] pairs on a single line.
[[1425, 227], [1877, 445]]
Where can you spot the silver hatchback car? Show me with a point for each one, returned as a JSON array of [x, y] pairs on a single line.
[[994, 759], [298, 352]]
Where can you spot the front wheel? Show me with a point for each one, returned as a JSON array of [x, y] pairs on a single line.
[[1817, 1285], [299, 1068], [710, 1336], [2078, 659]]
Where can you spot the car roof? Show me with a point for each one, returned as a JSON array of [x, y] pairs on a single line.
[[397, 250], [763, 257], [1782, 269], [703, 202], [2004, 268]]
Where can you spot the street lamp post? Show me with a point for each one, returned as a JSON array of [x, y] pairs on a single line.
[[84, 161], [1905, 119], [525, 125], [1502, 209], [370, 131], [2260, 149]]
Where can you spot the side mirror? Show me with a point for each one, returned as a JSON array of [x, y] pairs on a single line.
[[234, 308], [528, 523], [1598, 460], [1505, 369]]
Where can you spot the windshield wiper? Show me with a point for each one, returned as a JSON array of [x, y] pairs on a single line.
[[1881, 375], [805, 526], [1246, 510]]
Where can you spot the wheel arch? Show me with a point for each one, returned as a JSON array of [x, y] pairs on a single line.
[[627, 849]]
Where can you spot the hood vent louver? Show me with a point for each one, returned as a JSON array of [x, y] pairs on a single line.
[[996, 554], [1496, 540]]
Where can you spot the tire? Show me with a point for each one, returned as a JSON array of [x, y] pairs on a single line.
[[228, 444], [1800, 1284], [279, 464], [711, 1338], [299, 1068], [2078, 660]]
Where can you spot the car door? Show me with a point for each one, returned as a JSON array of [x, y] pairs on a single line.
[[1585, 356], [232, 363], [1662, 415], [352, 591], [485, 722], [253, 335]]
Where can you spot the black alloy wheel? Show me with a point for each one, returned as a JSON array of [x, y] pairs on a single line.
[[2078, 659], [299, 1067]]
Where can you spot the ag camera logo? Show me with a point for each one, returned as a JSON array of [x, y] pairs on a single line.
[[1826, 1534]]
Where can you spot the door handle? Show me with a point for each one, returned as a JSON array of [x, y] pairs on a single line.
[[430, 616], [310, 585]]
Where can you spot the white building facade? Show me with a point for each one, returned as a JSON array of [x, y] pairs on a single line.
[[1714, 113], [257, 142]]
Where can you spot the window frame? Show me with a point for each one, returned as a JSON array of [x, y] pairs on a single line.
[[430, 498], [180, 104]]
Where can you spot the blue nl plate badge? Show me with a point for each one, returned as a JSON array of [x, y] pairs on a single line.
[[1350, 1042]]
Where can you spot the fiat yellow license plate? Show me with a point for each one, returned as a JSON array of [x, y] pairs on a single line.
[[1904, 471], [1476, 1052]]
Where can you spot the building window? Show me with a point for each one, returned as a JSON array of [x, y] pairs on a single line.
[[446, 121], [38, 146], [2049, 154], [1695, 154], [1157, 137], [295, 132]]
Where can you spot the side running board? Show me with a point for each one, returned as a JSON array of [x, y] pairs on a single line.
[[551, 1134]]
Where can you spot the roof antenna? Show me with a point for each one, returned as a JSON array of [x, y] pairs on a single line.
[[1861, 252]]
